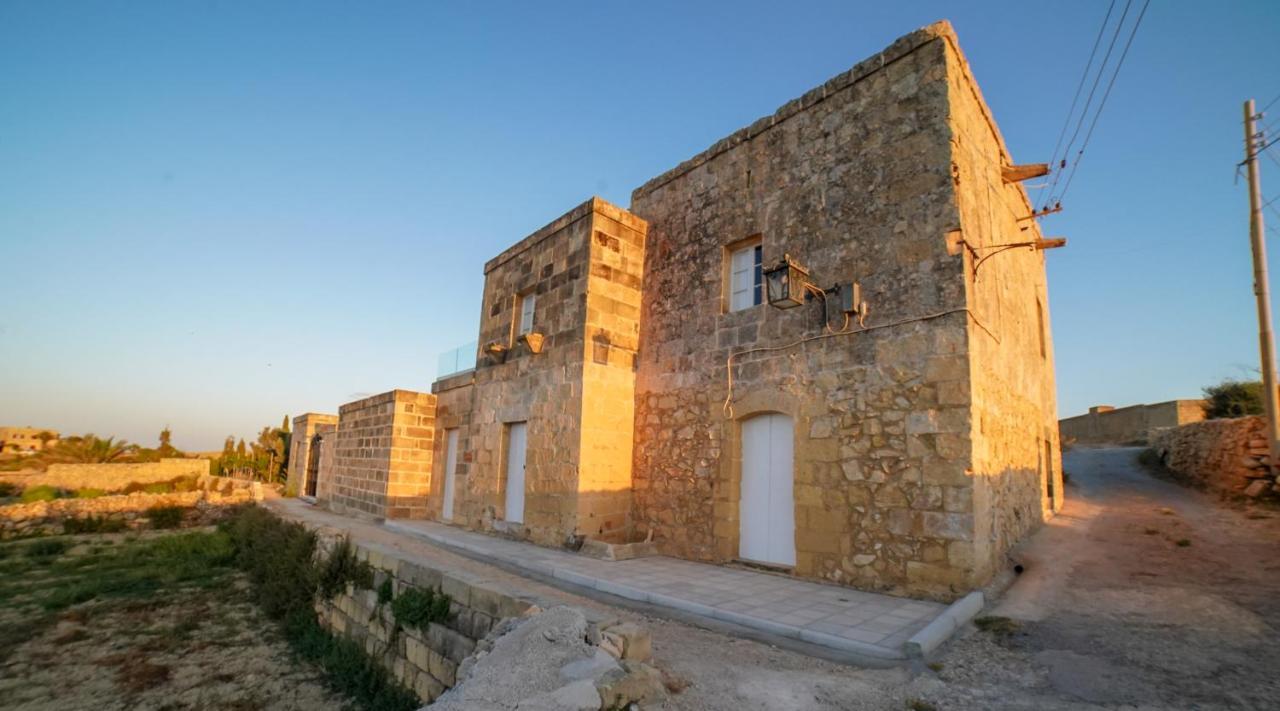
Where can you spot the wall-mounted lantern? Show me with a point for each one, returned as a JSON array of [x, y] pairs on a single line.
[[786, 283]]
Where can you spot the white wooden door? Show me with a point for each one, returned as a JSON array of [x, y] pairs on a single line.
[[515, 472], [767, 508], [450, 469]]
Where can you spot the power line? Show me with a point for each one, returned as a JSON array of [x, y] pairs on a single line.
[[1084, 113], [1269, 104], [1120, 64], [1093, 53]]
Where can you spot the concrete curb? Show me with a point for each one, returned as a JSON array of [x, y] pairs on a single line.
[[945, 625], [688, 606]]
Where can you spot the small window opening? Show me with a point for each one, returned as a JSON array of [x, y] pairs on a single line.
[[525, 325], [746, 277]]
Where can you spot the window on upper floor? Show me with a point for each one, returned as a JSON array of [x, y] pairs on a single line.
[[525, 314], [745, 279]]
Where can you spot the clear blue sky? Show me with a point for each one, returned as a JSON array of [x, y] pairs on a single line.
[[216, 213]]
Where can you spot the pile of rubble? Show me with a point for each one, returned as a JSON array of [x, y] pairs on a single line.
[[555, 660]]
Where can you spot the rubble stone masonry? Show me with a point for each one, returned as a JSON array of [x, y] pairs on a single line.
[[925, 430], [918, 438]]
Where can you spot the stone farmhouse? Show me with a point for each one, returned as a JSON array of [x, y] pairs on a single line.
[[810, 347]]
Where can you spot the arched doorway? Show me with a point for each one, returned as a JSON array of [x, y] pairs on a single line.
[[767, 511]]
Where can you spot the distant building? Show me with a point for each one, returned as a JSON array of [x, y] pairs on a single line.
[[1104, 424], [26, 440]]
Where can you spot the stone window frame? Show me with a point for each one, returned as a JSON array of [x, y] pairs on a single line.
[[518, 301], [726, 272]]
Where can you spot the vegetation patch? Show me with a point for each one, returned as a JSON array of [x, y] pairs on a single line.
[[165, 516], [280, 559], [135, 622], [144, 606], [341, 568], [93, 524], [41, 493], [1001, 628], [419, 607]]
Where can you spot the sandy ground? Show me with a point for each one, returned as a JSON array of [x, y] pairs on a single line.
[[181, 649], [1141, 594]]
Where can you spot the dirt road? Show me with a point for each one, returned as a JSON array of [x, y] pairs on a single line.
[[1141, 594]]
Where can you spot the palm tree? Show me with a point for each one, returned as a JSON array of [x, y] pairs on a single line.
[[90, 449]]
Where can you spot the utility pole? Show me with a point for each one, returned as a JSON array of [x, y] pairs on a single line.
[[1261, 290]]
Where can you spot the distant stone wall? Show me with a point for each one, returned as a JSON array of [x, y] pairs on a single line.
[[111, 477], [206, 506], [1109, 425], [1225, 455], [381, 463]]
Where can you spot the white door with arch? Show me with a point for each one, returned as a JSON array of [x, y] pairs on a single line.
[[514, 509], [450, 471], [767, 508]]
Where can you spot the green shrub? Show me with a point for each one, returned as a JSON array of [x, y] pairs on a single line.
[[165, 516], [89, 493], [93, 524], [41, 493], [47, 548], [342, 567], [279, 558], [386, 592], [186, 483], [418, 607], [1233, 398], [8, 488]]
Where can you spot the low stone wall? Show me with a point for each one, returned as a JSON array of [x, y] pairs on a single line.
[[1226, 455], [214, 499], [434, 660], [110, 477], [425, 661]]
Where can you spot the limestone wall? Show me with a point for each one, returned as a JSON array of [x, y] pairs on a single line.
[[215, 500], [423, 660], [575, 395], [111, 477], [1226, 455], [1015, 464], [381, 461], [1126, 425], [611, 340], [854, 180]]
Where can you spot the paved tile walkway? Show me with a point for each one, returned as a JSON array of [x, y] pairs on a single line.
[[840, 618]]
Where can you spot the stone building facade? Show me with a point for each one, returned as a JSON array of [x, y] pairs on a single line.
[[306, 450], [382, 456], [634, 382], [1104, 424]]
